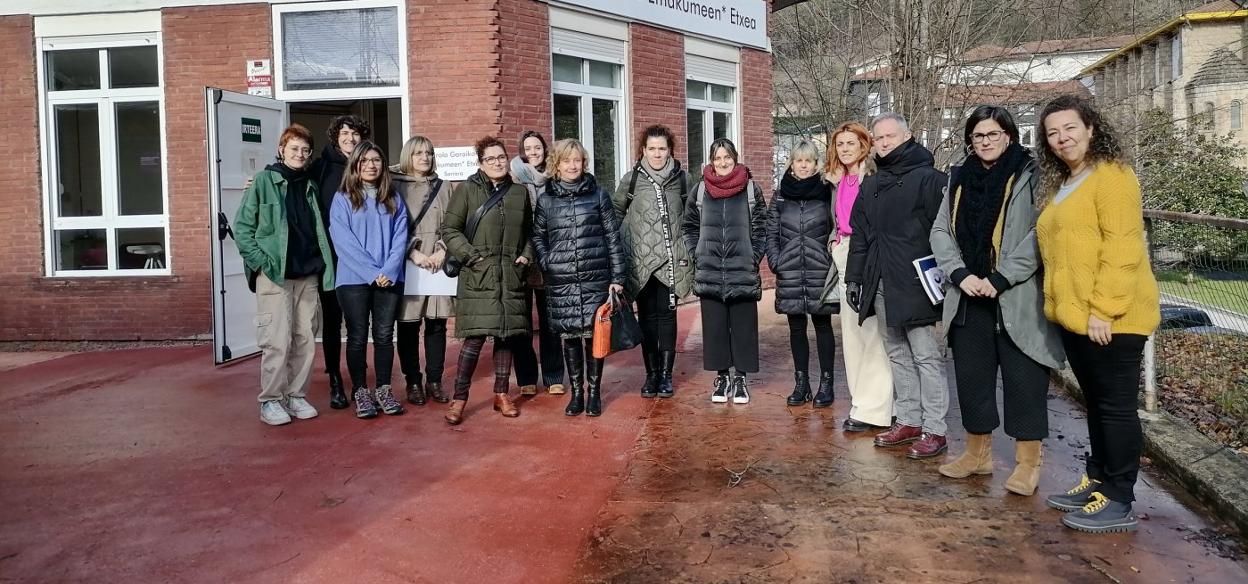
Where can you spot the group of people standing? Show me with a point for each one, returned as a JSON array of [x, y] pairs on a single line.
[[1043, 257]]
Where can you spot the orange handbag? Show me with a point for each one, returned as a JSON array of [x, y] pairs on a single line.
[[602, 330]]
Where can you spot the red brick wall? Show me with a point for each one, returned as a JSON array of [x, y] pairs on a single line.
[[21, 208], [453, 70], [524, 65], [657, 77], [756, 130]]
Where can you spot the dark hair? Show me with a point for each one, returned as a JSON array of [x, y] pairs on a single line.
[[487, 142], [995, 113], [656, 131], [1104, 146], [353, 185], [726, 144], [354, 122], [540, 138]]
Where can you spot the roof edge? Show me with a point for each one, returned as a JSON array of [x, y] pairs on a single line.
[[1164, 28]]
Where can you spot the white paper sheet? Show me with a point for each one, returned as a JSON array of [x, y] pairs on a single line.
[[421, 282]]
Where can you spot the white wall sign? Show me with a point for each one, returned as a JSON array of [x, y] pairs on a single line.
[[260, 77], [740, 22], [455, 163]]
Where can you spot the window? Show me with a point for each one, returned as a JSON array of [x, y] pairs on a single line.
[[1176, 55], [588, 98], [1236, 114], [710, 116], [873, 104], [103, 141], [1027, 135], [355, 50], [1207, 115]]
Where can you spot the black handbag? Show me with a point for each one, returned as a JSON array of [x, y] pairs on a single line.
[[625, 331], [454, 265]]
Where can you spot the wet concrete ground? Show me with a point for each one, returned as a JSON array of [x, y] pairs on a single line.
[[150, 466]]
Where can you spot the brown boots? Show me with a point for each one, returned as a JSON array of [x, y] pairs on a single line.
[[455, 414], [1026, 475], [977, 460], [504, 406]]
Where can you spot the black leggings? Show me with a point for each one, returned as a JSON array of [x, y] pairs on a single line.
[[435, 348], [656, 317], [825, 342], [470, 352], [980, 347], [331, 331]]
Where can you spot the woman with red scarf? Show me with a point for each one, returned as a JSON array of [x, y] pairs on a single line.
[[725, 227]]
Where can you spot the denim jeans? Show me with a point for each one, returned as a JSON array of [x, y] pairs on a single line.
[[361, 303], [922, 392]]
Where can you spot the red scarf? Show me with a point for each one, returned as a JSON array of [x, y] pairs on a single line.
[[722, 187]]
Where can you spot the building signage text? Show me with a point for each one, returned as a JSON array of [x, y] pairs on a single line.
[[742, 22]]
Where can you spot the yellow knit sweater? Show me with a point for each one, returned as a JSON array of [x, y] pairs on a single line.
[[1095, 257]]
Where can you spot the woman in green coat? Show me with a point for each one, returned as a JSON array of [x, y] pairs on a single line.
[[490, 298]]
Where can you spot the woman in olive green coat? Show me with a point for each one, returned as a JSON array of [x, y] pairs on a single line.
[[491, 293]]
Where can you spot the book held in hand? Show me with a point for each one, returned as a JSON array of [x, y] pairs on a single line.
[[931, 277]]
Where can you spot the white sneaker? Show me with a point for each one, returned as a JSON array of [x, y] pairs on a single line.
[[273, 414], [299, 408]]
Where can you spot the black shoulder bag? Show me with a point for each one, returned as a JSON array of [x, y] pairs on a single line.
[[453, 264]]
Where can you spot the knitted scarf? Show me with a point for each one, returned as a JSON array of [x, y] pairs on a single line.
[[661, 175], [805, 189], [524, 173], [979, 205], [722, 187]]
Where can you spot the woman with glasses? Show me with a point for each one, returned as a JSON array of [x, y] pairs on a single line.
[[984, 238], [368, 221], [491, 291], [284, 247]]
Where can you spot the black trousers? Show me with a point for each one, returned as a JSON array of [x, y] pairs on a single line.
[[1110, 379], [331, 331], [361, 304], [825, 342], [981, 347], [435, 348], [550, 346], [470, 353], [730, 335], [656, 317]]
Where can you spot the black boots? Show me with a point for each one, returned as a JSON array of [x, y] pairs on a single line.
[[593, 378], [652, 361], [665, 361], [416, 391], [574, 362], [801, 389], [824, 397], [337, 396]]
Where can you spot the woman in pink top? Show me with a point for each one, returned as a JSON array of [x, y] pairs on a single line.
[[866, 363]]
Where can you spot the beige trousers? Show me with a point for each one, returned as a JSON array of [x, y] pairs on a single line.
[[286, 333], [866, 361]]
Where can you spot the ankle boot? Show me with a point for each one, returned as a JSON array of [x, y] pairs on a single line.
[[593, 401], [801, 389], [337, 396], [977, 459], [651, 360], [574, 362], [1026, 475], [434, 390], [825, 395], [416, 391], [667, 360], [504, 405]]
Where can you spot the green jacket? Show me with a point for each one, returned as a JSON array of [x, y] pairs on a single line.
[[260, 230], [491, 297], [642, 230]]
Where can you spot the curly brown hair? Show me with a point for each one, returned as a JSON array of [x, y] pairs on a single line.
[[656, 131], [485, 143], [1104, 147]]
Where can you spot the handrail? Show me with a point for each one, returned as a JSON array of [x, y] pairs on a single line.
[[1210, 220]]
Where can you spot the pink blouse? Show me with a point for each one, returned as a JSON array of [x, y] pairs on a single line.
[[846, 194]]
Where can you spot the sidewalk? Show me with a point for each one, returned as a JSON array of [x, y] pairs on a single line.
[[150, 465]]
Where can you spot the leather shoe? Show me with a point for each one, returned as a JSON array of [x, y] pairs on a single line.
[[898, 434], [455, 415], [852, 425], [929, 445], [434, 390], [337, 395], [504, 406]]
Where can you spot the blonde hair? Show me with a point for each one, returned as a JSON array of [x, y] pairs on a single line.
[[803, 151], [563, 150], [410, 148]]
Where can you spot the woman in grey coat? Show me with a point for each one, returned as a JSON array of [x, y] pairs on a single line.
[[984, 239]]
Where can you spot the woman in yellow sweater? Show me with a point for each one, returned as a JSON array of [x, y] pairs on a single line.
[[1099, 288]]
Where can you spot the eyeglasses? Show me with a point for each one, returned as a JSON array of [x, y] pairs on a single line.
[[370, 161], [303, 151], [494, 159], [992, 136]]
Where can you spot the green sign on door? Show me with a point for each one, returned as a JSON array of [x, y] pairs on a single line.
[[251, 130]]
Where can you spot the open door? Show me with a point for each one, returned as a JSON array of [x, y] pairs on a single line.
[[243, 131]]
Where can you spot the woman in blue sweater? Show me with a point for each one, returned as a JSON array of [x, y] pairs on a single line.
[[368, 225]]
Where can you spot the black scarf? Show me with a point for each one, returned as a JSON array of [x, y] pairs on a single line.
[[303, 250], [983, 193], [804, 189]]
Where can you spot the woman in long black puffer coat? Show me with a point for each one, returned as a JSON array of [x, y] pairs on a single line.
[[798, 227], [576, 234]]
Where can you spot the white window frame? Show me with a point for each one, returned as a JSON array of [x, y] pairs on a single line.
[[352, 93], [583, 90], [709, 109], [105, 99]]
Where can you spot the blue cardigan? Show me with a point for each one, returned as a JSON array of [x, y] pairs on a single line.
[[369, 241]]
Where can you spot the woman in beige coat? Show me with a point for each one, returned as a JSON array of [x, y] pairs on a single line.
[[426, 196]]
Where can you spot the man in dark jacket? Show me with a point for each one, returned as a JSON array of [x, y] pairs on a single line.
[[892, 219]]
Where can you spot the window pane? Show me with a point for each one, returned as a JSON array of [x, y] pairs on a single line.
[[697, 140], [141, 249], [695, 90], [70, 70], [132, 67], [1236, 113], [566, 69], [603, 74], [567, 117], [604, 143], [138, 159], [721, 93], [81, 249], [78, 160], [334, 49], [722, 123]]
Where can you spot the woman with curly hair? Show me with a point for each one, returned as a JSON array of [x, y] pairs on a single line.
[[1099, 287]]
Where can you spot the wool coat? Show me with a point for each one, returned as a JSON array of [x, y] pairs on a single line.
[[424, 238]]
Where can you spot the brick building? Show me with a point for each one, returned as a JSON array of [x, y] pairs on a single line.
[[108, 211]]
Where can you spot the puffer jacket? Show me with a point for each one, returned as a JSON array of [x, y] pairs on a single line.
[[798, 227], [577, 239], [490, 298], [728, 239], [641, 229]]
